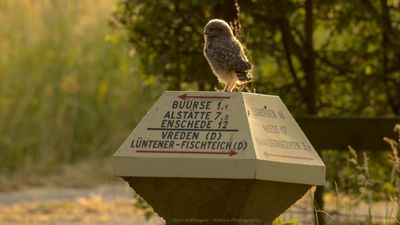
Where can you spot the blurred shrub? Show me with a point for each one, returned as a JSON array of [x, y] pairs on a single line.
[[368, 177], [66, 91]]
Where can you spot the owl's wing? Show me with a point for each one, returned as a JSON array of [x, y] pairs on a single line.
[[234, 58]]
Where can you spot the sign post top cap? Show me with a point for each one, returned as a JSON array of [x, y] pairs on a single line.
[[227, 135]]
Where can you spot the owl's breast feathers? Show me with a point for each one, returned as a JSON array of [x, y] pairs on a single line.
[[226, 57]]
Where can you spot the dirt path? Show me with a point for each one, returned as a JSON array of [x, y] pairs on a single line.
[[86, 193], [105, 204]]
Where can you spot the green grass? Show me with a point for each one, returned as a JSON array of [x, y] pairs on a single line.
[[66, 93]]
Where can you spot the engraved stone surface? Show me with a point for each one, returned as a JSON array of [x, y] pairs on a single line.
[[219, 135]]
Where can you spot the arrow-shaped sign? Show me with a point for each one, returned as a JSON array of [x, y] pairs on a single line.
[[230, 153], [185, 96]]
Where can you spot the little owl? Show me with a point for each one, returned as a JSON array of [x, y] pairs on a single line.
[[225, 55]]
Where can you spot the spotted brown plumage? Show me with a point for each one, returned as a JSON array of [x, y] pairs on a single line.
[[225, 55]]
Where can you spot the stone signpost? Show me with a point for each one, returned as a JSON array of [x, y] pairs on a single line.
[[219, 158]]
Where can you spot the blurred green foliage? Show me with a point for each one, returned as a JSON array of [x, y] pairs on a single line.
[[280, 221], [348, 170], [368, 177], [322, 57], [66, 92], [168, 37]]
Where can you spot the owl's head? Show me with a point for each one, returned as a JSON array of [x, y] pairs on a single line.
[[217, 28]]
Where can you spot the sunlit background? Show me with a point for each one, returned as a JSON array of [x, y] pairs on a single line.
[[77, 76], [67, 92]]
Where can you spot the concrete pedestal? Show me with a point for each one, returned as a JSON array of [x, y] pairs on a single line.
[[217, 201]]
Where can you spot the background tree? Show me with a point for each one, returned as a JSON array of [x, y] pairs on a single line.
[[168, 35], [338, 57]]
